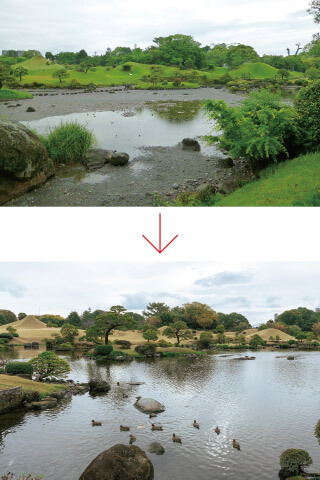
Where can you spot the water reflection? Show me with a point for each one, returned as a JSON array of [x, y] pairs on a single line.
[[268, 405], [160, 124]]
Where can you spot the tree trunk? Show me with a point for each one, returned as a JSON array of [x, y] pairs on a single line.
[[106, 338], [178, 338]]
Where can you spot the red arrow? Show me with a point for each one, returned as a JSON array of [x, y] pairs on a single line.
[[159, 250]]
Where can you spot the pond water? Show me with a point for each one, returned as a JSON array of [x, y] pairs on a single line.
[[268, 405], [159, 124]]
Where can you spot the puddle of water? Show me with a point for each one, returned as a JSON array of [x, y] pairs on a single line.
[[160, 124], [94, 178]]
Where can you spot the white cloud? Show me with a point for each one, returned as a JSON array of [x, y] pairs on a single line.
[[68, 25], [62, 287]]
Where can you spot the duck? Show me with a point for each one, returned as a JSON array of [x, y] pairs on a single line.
[[235, 444], [96, 424], [217, 430], [195, 424], [176, 439], [152, 415], [132, 439], [155, 427], [124, 429]]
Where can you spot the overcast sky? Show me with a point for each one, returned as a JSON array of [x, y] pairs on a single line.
[[69, 25], [255, 290]]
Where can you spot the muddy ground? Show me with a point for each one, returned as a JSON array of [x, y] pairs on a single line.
[[158, 172]]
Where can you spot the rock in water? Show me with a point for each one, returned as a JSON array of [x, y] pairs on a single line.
[[120, 462], [190, 144], [96, 158], [156, 448], [98, 386], [149, 405], [24, 162], [119, 158], [30, 109]]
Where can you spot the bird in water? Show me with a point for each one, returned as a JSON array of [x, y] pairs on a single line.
[[195, 424], [235, 444], [124, 429], [96, 424], [132, 439], [217, 430], [155, 427], [176, 439]]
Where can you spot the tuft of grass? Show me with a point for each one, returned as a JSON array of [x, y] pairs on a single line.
[[6, 94], [68, 143]]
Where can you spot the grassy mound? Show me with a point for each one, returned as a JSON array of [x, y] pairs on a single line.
[[40, 70], [6, 94], [267, 333], [30, 321], [294, 182]]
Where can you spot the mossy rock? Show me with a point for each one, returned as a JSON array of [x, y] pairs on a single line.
[[24, 162]]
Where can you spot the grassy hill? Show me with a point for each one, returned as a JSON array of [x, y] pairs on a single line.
[[294, 182], [40, 72], [267, 333], [31, 329]]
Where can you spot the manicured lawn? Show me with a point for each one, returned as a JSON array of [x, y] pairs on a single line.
[[8, 381], [6, 94], [292, 181]]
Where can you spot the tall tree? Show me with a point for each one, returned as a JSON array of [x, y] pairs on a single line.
[[116, 317], [61, 74], [179, 330], [20, 72], [74, 319]]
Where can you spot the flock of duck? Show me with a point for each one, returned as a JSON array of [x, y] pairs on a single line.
[[154, 427]]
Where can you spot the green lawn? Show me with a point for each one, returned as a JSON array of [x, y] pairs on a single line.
[[40, 72], [293, 182], [6, 94], [11, 381]]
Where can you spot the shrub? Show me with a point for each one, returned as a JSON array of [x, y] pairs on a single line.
[[295, 460], [205, 339], [307, 103], [176, 82], [48, 364], [103, 349], [125, 344], [146, 349], [164, 344], [19, 367], [261, 129], [115, 354], [2, 370], [68, 142], [126, 67], [8, 335]]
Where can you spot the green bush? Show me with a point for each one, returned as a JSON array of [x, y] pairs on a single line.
[[68, 143], [164, 344], [307, 103], [8, 335], [295, 460], [125, 344], [19, 367], [103, 349], [2, 370], [115, 354], [146, 349], [262, 128]]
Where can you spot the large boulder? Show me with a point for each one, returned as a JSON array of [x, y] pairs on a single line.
[[24, 162], [119, 159], [149, 405], [98, 386], [190, 144], [120, 462]]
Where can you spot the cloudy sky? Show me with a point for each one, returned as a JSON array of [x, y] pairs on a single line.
[[255, 290], [69, 25]]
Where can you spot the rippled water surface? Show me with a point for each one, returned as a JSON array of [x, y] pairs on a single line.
[[268, 405]]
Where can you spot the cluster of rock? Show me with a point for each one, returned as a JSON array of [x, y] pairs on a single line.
[[33, 401], [24, 162], [98, 157]]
